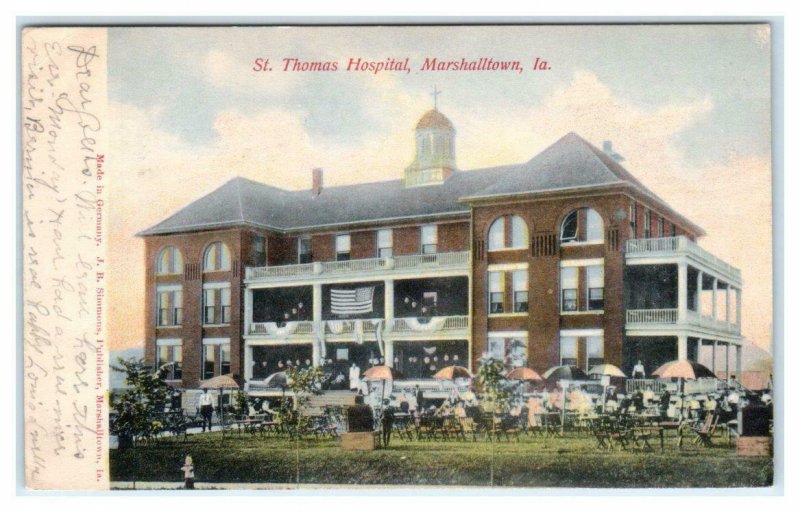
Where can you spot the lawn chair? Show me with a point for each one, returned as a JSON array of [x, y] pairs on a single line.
[[509, 426], [600, 430], [706, 430], [468, 427], [451, 428]]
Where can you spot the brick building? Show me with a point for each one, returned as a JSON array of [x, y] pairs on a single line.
[[564, 259]]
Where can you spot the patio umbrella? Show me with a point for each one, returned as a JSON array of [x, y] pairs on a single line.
[[525, 374], [607, 369], [453, 373], [220, 382], [559, 373], [277, 380], [382, 373], [688, 370]]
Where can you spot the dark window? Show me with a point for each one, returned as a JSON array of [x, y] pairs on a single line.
[[595, 299], [259, 251], [569, 229], [495, 302], [304, 250], [521, 302], [569, 299]]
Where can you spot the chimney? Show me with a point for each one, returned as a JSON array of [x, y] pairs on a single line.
[[609, 150], [316, 182]]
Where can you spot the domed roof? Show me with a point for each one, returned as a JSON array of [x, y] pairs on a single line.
[[434, 119]]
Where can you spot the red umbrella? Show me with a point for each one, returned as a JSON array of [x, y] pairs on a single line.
[[523, 374], [382, 372], [688, 370], [453, 373]]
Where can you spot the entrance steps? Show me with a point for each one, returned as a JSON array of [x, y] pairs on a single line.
[[317, 403]]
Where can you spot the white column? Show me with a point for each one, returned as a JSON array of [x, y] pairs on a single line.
[[727, 361], [714, 357], [682, 288], [316, 311], [388, 313], [714, 300], [739, 363], [699, 347], [248, 362], [699, 294], [728, 304], [739, 307], [248, 310], [682, 348]]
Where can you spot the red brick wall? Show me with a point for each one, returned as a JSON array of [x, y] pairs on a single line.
[[544, 320], [192, 246]]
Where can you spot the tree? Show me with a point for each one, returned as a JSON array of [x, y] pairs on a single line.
[[491, 378], [138, 411], [303, 382]]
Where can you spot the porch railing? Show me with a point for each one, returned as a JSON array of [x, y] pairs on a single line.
[[443, 260], [652, 316], [679, 244]]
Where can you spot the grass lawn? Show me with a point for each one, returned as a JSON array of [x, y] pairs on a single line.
[[573, 461]]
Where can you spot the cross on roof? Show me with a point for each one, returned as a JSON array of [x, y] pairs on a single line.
[[436, 92]]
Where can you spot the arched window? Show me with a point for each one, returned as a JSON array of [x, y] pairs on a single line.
[[582, 225], [500, 238], [217, 257], [170, 261]]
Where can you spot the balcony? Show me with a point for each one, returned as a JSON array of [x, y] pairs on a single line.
[[668, 249], [447, 263], [442, 327], [651, 321]]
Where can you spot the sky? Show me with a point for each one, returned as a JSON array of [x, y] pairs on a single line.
[[687, 106]]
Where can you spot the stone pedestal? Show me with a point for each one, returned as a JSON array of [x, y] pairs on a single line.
[[358, 440], [752, 446]]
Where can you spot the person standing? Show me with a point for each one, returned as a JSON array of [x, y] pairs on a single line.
[[638, 370], [355, 377], [188, 473], [420, 399], [206, 409], [387, 422]]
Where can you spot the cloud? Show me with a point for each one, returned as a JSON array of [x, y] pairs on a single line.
[[273, 145]]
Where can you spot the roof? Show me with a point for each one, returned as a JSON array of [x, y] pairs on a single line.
[[434, 119], [569, 163]]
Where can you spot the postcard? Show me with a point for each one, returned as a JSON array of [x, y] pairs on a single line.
[[418, 256]]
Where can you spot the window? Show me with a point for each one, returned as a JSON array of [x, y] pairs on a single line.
[[429, 239], [499, 237], [569, 289], [304, 249], [660, 227], [595, 276], [594, 351], [520, 284], [582, 225], [384, 243], [216, 304], [170, 353], [647, 230], [674, 229], [496, 292], [259, 251], [569, 351], [633, 220], [209, 358], [216, 357], [569, 227], [224, 359], [342, 247], [511, 350], [216, 258], [170, 261], [169, 306]]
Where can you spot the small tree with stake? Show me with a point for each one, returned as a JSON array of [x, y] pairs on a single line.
[[138, 411]]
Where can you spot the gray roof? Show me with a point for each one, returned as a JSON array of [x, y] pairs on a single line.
[[571, 162]]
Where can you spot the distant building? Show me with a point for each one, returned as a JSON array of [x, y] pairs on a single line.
[[563, 259]]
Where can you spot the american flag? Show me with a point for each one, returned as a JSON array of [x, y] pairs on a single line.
[[352, 302]]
